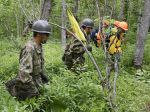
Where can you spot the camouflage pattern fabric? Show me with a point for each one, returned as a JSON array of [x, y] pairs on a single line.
[[22, 90], [30, 76], [73, 56]]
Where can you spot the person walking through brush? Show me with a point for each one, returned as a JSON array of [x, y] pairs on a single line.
[[96, 34], [115, 41], [73, 56], [31, 74]]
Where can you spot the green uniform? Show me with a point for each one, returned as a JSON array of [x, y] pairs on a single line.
[[31, 73], [73, 56]]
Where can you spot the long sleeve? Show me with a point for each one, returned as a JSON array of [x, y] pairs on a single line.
[[26, 64]]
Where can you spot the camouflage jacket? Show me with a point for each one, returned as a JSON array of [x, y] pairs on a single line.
[[31, 62]]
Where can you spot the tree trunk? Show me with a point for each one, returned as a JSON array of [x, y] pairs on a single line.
[[75, 10], [63, 18], [45, 12], [105, 7], [122, 6], [142, 31], [114, 9]]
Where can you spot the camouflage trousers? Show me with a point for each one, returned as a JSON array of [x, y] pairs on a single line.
[[24, 90], [73, 60]]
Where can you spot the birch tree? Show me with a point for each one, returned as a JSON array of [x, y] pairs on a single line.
[[142, 32]]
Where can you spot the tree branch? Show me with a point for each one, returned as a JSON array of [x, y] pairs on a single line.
[[89, 54]]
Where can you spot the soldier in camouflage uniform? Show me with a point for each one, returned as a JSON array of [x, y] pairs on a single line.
[[73, 56], [31, 64]]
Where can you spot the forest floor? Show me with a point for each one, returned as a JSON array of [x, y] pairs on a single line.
[[69, 92]]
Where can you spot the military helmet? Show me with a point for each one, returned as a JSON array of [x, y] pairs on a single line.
[[88, 22], [41, 26]]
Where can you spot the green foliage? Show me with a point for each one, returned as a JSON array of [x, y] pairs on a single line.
[[69, 92], [7, 17]]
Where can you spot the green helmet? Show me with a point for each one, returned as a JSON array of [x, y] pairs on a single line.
[[87, 22], [41, 26]]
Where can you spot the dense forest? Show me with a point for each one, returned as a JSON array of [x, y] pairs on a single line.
[[84, 91]]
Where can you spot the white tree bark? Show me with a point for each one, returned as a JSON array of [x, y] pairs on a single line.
[[141, 34], [45, 12]]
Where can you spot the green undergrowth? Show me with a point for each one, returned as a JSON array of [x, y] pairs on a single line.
[[70, 92]]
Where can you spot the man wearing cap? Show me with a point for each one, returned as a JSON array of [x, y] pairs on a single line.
[[31, 65]]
